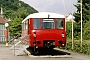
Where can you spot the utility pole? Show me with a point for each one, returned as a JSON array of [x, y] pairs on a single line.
[[19, 3], [72, 25], [64, 12], [1, 14], [81, 24]]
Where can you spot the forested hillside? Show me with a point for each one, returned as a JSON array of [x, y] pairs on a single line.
[[16, 10], [11, 7]]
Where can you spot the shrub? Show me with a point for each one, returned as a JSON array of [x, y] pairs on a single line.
[[77, 48], [76, 30]]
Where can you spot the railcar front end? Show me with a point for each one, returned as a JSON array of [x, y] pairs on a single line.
[[48, 33]]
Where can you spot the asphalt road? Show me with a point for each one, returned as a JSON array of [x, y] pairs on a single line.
[[6, 54]]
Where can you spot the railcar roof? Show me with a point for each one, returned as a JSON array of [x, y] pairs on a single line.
[[44, 15]]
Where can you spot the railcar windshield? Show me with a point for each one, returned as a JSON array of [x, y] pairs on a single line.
[[48, 23], [59, 24]]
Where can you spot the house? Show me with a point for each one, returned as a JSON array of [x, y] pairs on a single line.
[[70, 18], [2, 26]]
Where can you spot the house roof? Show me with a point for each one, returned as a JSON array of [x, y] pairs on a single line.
[[70, 17], [3, 20]]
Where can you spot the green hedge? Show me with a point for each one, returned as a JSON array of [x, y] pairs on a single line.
[[77, 30], [77, 48]]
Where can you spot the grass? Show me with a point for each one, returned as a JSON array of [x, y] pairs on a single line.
[[2, 42]]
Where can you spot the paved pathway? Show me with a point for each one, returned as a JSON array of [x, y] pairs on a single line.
[[6, 54]]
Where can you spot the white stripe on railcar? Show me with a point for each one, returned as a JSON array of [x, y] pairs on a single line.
[[44, 15]]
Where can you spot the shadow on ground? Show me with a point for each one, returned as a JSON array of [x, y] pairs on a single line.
[[44, 51]]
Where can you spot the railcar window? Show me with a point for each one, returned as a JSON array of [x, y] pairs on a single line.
[[48, 23], [22, 26], [25, 25], [59, 24], [36, 23]]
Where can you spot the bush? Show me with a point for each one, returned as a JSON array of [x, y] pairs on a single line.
[[68, 29], [86, 31], [76, 30], [77, 48]]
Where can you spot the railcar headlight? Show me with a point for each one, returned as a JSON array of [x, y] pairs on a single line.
[[63, 35], [34, 35]]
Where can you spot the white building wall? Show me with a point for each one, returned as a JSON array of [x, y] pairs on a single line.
[[2, 33]]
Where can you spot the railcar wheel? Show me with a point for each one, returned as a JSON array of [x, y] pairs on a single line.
[[35, 49]]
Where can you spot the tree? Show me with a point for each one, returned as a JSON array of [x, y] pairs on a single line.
[[68, 29], [15, 26], [20, 13], [85, 11], [76, 30], [86, 31], [85, 18], [16, 13], [8, 13]]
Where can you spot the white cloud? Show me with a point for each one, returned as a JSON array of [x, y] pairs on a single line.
[[21, 0], [56, 6]]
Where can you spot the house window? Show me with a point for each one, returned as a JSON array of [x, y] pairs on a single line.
[[3, 26], [0, 32], [0, 27], [2, 39], [3, 32]]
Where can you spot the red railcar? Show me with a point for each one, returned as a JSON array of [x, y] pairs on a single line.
[[44, 30]]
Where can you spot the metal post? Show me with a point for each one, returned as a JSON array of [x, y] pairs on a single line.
[[6, 33], [14, 47], [72, 34], [6, 37], [64, 12], [81, 24], [72, 26]]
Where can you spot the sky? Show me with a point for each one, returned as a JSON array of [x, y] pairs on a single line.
[[56, 6]]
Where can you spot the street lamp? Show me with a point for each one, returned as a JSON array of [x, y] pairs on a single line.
[[81, 24], [64, 11], [6, 33], [72, 26]]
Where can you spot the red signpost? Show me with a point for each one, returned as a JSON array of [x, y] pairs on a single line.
[[6, 35]]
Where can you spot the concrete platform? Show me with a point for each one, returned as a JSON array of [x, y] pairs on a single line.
[[55, 53], [7, 54]]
